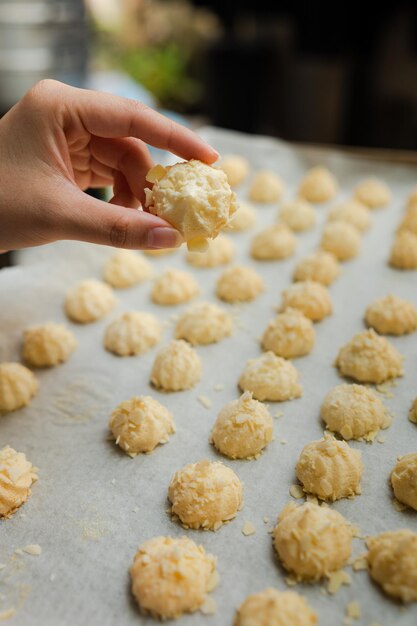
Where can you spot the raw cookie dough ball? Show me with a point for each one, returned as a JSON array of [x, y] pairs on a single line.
[[273, 243], [172, 576], [243, 428], [330, 469], [269, 377], [17, 475], [354, 411], [404, 480], [239, 284], [192, 196], [373, 193], [403, 254], [290, 334], [369, 358], [392, 563], [409, 221], [310, 298], [298, 215], [132, 333], [318, 185], [352, 212], [88, 301], [18, 385], [48, 344], [266, 187], [140, 424], [275, 608], [311, 540], [176, 367], [220, 251], [174, 287], [205, 494], [243, 219], [341, 239], [392, 316], [125, 268], [321, 266], [235, 167], [412, 415], [204, 323]]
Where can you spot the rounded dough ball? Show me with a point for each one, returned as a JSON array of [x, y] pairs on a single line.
[[239, 284], [269, 377], [354, 411], [392, 316], [176, 367], [312, 541], [48, 344], [204, 323], [17, 475], [373, 193], [321, 266], [298, 215], [330, 469], [243, 428], [18, 385], [174, 287], [140, 424], [369, 358], [235, 167], [341, 239], [205, 494], [88, 301], [132, 333], [273, 243], [403, 254], [192, 196], [172, 576], [275, 608], [318, 185], [290, 334], [266, 187], [220, 251], [125, 268], [309, 297], [392, 563], [409, 221], [352, 212], [404, 480], [412, 415], [243, 219]]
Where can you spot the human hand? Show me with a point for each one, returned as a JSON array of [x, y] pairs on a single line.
[[58, 141]]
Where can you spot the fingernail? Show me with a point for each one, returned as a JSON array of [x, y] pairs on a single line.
[[164, 237]]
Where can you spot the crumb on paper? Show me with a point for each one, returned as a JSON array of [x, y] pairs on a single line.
[[398, 506], [8, 613], [278, 414], [218, 387], [296, 491], [360, 563], [384, 389], [353, 610], [290, 581], [336, 580], [380, 439], [209, 606], [135, 509], [283, 442], [311, 498], [205, 401], [265, 519], [248, 529], [19, 551], [33, 549]]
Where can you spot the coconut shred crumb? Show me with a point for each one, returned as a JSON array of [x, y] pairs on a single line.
[[33, 549], [205, 401], [248, 529], [336, 580], [353, 612], [296, 491]]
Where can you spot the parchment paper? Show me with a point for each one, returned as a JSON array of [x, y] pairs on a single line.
[[93, 505]]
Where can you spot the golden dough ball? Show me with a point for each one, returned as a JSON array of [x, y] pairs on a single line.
[[270, 377], [392, 316], [309, 297], [243, 219], [176, 367], [266, 187], [312, 541], [243, 428], [239, 284], [330, 469], [235, 167], [392, 563], [412, 415], [126, 268], [174, 287], [373, 193], [47, 344], [352, 212], [204, 323], [170, 576], [321, 267], [341, 239], [369, 358], [354, 412], [403, 255], [220, 251], [275, 608], [318, 185], [193, 197], [409, 221], [298, 215], [132, 333], [205, 495], [18, 385], [404, 480], [17, 475], [140, 424], [273, 243], [290, 334], [88, 301]]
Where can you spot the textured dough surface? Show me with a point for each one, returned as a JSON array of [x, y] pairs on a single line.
[[243, 219], [404, 480], [18, 385], [412, 415], [321, 267], [290, 334], [174, 287], [373, 193], [17, 475], [88, 301], [235, 167], [220, 251], [126, 268], [273, 243], [239, 284], [309, 297], [352, 212], [132, 333], [341, 239], [204, 323], [298, 215], [392, 316], [403, 254], [266, 187], [275, 608], [392, 562], [176, 367], [47, 344], [318, 185], [270, 377]]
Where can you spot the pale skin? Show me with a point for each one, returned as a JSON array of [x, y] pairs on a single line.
[[58, 141]]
